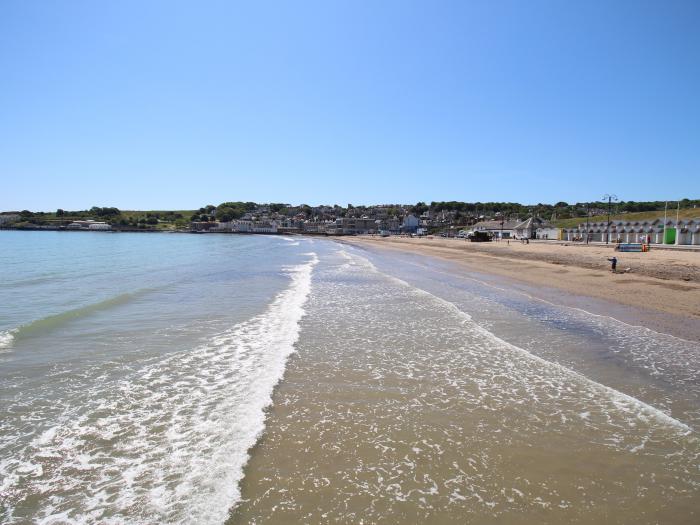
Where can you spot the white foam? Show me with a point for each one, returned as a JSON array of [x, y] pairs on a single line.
[[659, 354], [6, 338], [646, 330], [621, 400], [178, 430]]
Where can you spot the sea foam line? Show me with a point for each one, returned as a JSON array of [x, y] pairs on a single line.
[[6, 337], [612, 393], [551, 303], [180, 429]]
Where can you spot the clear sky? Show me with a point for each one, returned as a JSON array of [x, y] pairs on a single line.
[[173, 105]]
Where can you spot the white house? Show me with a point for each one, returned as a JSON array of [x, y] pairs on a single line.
[[88, 225], [8, 217], [410, 224], [497, 229], [527, 228]]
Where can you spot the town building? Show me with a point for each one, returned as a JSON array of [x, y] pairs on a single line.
[[410, 224], [237, 226], [528, 228], [8, 217], [548, 232], [497, 229], [89, 225], [353, 226]]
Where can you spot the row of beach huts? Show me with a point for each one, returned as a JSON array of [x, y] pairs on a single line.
[[656, 231]]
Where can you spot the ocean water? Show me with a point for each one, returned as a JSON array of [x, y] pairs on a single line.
[[163, 378], [134, 370]]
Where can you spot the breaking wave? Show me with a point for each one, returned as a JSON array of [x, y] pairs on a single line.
[[166, 443]]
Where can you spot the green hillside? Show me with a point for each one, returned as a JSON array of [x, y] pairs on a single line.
[[690, 213]]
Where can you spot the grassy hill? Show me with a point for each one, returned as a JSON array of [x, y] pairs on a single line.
[[690, 213], [120, 219]]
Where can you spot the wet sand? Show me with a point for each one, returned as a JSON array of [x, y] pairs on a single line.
[[399, 408], [661, 289]]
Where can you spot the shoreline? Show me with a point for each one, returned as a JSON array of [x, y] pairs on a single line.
[[668, 303], [146, 230]]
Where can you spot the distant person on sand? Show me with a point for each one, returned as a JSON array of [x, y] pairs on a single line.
[[613, 264]]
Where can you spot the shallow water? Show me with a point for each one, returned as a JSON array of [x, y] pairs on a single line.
[[420, 397], [137, 371], [134, 380]]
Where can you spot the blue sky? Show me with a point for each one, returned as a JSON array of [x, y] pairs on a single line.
[[173, 105]]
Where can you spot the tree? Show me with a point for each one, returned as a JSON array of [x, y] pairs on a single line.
[[104, 212], [60, 213], [420, 208]]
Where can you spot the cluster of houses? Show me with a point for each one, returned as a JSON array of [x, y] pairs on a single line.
[[378, 221], [324, 221], [339, 226], [532, 228], [396, 219], [242, 226]]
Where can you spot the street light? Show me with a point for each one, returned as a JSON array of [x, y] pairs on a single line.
[[610, 198], [588, 216]]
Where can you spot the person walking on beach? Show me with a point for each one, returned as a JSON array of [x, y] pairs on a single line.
[[613, 264]]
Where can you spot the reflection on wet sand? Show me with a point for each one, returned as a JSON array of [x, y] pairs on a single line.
[[401, 408]]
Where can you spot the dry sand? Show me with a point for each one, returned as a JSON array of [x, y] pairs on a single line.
[[660, 281]]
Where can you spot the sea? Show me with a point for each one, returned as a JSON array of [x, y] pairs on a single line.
[[156, 378]]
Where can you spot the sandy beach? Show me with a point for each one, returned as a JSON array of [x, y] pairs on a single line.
[[661, 285], [422, 391]]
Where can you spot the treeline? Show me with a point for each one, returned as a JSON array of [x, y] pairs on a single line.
[[562, 210], [111, 215], [232, 210], [229, 211], [226, 211], [94, 212]]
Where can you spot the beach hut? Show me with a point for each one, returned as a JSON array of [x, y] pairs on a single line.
[[597, 235], [695, 233], [641, 234], [685, 230], [623, 234]]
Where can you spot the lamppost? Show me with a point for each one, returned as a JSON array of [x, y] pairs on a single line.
[[588, 216], [610, 198]]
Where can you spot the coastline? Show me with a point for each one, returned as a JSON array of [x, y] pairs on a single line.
[[414, 398], [661, 292]]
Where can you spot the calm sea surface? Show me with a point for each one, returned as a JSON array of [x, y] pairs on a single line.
[[163, 378]]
